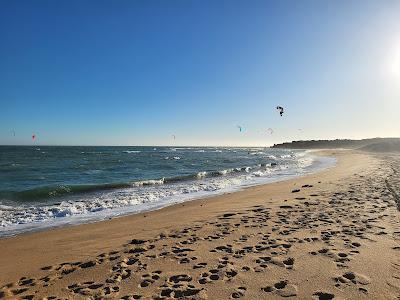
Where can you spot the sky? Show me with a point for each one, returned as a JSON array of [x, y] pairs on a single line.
[[138, 72]]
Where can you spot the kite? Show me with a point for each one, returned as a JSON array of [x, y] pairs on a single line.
[[13, 132], [240, 128], [280, 108], [174, 137], [33, 137], [270, 130]]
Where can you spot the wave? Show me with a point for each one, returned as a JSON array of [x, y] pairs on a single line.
[[138, 196], [288, 156], [131, 151], [148, 182], [174, 157], [47, 192]]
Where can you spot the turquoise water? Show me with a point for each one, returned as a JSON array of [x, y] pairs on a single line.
[[44, 186]]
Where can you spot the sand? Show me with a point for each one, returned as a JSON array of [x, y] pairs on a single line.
[[330, 235]]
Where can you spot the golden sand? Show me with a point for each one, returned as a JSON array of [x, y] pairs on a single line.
[[336, 238]]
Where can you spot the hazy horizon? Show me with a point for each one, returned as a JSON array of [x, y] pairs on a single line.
[[136, 73], [178, 146]]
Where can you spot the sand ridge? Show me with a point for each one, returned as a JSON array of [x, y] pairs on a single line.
[[331, 235]]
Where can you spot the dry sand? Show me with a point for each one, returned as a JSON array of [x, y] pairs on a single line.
[[336, 238]]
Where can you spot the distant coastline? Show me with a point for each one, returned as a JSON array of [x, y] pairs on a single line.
[[371, 145]]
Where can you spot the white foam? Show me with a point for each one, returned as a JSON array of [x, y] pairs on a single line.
[[201, 174], [258, 153], [149, 182]]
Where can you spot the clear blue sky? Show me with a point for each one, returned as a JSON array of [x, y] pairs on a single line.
[[136, 72]]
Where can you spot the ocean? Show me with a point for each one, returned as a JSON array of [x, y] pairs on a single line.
[[47, 186]]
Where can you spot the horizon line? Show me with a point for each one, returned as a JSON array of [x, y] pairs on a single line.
[[198, 146]]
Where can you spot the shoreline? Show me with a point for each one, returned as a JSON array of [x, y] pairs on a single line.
[[26, 254], [320, 163]]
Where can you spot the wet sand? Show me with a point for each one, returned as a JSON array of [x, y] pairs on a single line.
[[330, 235]]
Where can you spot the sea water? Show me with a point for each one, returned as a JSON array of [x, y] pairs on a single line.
[[47, 186]]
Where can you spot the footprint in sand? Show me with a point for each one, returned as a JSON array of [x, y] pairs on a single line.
[[200, 265], [307, 186], [179, 286], [239, 292], [282, 288], [352, 278], [323, 296], [148, 279], [89, 288], [131, 297]]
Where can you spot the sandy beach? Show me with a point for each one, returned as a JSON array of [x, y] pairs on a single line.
[[330, 235]]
